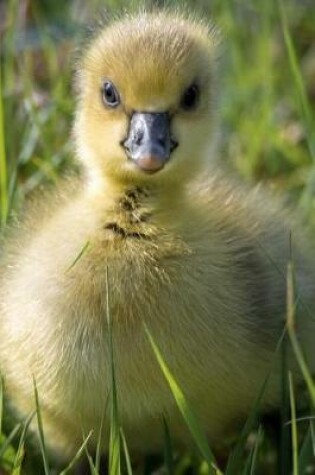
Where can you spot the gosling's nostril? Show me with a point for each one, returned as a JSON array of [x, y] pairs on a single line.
[[161, 140], [138, 137]]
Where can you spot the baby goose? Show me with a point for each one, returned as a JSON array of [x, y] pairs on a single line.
[[197, 259]]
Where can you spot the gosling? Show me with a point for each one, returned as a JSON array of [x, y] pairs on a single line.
[[198, 259]]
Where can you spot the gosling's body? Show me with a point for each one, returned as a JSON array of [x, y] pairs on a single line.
[[199, 261]]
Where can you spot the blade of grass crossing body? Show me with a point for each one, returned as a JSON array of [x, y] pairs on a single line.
[[82, 251], [41, 430], [294, 434], [77, 456], [114, 438], [126, 452], [185, 409]]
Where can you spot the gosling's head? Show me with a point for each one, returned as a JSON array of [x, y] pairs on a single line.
[[147, 99]]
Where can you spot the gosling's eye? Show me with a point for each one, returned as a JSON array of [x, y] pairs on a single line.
[[190, 97], [110, 94]]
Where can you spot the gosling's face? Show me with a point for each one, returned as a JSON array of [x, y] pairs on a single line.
[[146, 103]]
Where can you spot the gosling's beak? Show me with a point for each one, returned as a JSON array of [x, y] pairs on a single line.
[[149, 143]]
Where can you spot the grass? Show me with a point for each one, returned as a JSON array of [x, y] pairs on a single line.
[[114, 437], [185, 409], [268, 134]]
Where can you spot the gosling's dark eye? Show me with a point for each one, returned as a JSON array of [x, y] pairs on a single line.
[[110, 94], [190, 97]]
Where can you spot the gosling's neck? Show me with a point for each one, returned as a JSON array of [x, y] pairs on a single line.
[[150, 196]]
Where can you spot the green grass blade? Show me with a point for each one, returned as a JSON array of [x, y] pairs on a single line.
[[293, 428], [285, 435], [77, 456], [18, 461], [168, 449], [114, 438], [300, 87], [84, 249], [126, 452], [190, 418], [9, 439], [292, 334], [20, 451], [92, 466], [99, 438], [41, 430]]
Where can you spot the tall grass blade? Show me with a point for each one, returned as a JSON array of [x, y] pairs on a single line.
[[92, 466], [302, 96], [126, 452], [292, 334], [17, 468], [99, 438], [9, 440], [294, 435], [285, 436], [42, 444], [190, 418], [77, 456], [20, 451], [114, 437]]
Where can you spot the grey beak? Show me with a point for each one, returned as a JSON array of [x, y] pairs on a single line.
[[149, 142]]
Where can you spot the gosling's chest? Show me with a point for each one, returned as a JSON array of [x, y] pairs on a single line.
[[131, 269]]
